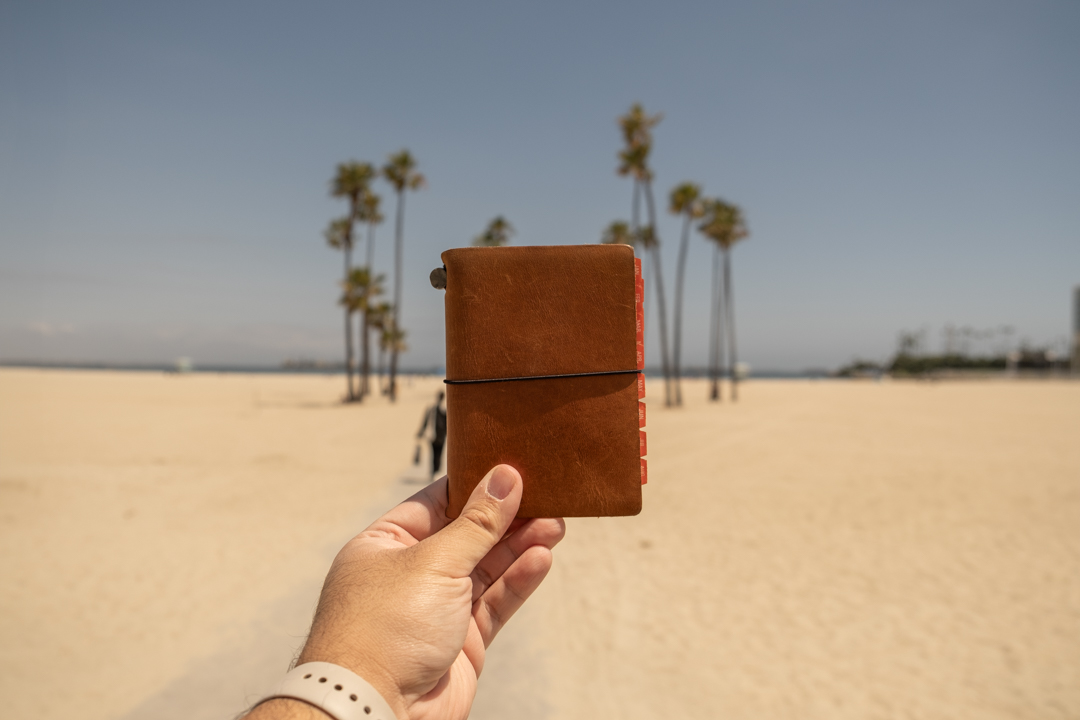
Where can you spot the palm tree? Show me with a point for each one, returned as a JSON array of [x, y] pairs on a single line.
[[395, 340], [378, 319], [725, 226], [498, 233], [361, 289], [716, 348], [391, 340], [351, 181], [618, 233], [339, 236], [368, 212], [636, 128], [351, 299], [685, 201], [400, 172]]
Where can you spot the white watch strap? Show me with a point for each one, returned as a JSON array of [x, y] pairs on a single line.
[[340, 693]]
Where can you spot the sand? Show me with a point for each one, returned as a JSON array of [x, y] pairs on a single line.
[[819, 550]]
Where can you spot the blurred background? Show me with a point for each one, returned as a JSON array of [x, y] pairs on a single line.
[[165, 169]]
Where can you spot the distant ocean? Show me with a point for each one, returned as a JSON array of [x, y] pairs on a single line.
[[329, 369]]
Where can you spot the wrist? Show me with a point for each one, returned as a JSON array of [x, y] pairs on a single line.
[[359, 662], [286, 709]]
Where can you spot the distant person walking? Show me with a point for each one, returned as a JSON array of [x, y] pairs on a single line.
[[435, 420]]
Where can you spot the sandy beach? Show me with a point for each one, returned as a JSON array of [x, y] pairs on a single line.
[[822, 549]]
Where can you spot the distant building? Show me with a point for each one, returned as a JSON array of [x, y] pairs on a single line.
[[1075, 364]]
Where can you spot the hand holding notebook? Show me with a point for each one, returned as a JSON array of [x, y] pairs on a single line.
[[544, 352]]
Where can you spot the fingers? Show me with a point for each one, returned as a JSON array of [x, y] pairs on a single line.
[[417, 518], [461, 545], [496, 606], [546, 532]]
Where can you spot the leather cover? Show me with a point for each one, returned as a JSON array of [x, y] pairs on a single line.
[[514, 312]]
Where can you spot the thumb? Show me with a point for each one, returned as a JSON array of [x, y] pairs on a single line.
[[462, 544]]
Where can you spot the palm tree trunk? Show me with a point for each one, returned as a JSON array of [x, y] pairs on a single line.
[[730, 308], [371, 249], [680, 275], [349, 395], [365, 382], [396, 312], [721, 331], [661, 306], [714, 327], [381, 372], [365, 362]]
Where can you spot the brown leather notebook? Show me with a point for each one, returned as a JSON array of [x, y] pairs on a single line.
[[544, 348]]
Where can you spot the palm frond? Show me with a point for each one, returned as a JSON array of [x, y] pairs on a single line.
[[400, 171], [361, 288], [723, 223], [338, 234], [618, 233], [647, 236], [636, 126], [352, 179], [684, 198], [498, 233], [368, 209]]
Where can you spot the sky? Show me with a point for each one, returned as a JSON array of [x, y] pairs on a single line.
[[164, 167]]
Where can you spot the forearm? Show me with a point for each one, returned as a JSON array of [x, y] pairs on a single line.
[[413, 574], [286, 709]]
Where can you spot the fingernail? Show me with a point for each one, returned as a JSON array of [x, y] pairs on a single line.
[[501, 483]]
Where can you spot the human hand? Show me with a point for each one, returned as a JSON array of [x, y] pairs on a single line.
[[411, 603]]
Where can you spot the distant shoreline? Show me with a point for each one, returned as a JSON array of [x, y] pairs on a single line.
[[338, 370]]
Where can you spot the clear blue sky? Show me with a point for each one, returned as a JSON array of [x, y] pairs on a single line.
[[164, 166]]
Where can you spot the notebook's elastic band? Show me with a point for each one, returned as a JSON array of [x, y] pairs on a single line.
[[543, 377]]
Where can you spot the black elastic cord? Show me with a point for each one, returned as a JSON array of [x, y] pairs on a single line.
[[543, 377]]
